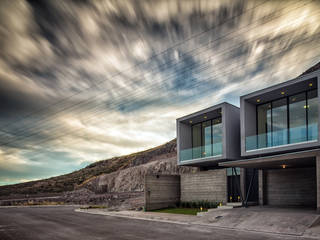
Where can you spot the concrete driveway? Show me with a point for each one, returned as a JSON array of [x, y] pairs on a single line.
[[62, 222]]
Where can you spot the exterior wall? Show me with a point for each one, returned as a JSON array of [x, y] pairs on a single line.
[[290, 187], [207, 185], [261, 174], [161, 191], [318, 182], [232, 132]]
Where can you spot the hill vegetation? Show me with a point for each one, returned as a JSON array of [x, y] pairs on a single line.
[[76, 179]]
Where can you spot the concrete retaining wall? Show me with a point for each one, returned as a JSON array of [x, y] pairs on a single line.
[[161, 191], [207, 185], [291, 187]]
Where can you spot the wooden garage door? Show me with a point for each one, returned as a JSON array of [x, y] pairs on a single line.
[[291, 187]]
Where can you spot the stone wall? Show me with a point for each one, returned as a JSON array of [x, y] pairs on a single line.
[[207, 185], [290, 187], [161, 191]]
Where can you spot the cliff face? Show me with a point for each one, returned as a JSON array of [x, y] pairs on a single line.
[[132, 179], [118, 174]]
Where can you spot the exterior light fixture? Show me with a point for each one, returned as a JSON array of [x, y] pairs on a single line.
[[205, 117], [190, 121], [310, 84], [306, 106], [282, 93], [284, 166], [258, 100], [293, 99]]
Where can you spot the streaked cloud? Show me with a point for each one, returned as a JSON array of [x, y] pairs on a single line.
[[127, 89]]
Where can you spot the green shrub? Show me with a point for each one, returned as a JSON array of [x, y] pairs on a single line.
[[205, 204]]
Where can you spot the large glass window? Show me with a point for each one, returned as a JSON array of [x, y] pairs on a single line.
[[288, 120], [217, 136], [297, 118], [264, 125], [279, 122], [196, 141], [206, 139], [312, 110]]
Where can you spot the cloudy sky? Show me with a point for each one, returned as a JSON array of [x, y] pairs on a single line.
[[82, 81]]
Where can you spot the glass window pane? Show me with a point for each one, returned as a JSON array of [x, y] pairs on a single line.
[[206, 139], [196, 141], [264, 125], [279, 122], [313, 115], [297, 118], [216, 136]]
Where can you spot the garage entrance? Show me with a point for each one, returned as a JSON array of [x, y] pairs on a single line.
[[286, 180], [291, 187]]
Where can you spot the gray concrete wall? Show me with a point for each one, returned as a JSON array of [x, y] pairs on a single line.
[[232, 132], [290, 187], [161, 191], [318, 182], [207, 185]]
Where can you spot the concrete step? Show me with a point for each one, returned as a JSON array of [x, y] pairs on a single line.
[[235, 204], [225, 207]]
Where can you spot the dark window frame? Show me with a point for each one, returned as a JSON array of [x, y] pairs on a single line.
[[211, 122], [288, 123]]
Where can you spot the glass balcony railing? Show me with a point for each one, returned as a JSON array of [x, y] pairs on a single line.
[[212, 150], [282, 137]]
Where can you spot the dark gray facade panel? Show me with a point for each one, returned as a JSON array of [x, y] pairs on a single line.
[[207, 185], [291, 187], [161, 191]]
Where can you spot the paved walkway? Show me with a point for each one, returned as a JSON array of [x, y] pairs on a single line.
[[290, 222]]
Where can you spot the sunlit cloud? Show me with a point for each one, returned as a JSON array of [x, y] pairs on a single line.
[[127, 89]]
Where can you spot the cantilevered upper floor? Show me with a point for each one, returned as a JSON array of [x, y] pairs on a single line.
[[209, 136], [281, 118]]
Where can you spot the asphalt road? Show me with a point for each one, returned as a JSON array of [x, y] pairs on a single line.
[[48, 223]]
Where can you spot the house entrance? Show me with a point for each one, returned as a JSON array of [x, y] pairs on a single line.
[[233, 181]]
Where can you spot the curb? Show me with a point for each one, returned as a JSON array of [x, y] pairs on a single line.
[[192, 224]]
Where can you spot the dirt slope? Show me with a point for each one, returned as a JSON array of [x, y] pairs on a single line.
[[71, 181]]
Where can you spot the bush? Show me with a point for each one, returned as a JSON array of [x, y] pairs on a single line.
[[198, 204]]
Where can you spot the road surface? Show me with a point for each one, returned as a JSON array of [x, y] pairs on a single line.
[[62, 222]]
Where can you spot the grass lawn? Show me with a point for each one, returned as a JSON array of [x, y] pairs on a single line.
[[188, 211]]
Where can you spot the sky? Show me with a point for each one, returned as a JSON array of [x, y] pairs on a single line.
[[82, 81]]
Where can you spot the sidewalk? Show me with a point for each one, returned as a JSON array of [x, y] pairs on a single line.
[[285, 222]]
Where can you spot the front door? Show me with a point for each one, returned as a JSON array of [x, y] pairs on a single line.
[[233, 185]]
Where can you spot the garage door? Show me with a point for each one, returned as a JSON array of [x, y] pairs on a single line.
[[291, 187]]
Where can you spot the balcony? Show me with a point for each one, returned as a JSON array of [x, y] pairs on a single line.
[[297, 135], [207, 151]]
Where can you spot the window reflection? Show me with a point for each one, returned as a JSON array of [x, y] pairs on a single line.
[[297, 118]]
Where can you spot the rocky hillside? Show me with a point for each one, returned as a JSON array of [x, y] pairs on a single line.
[[132, 179], [87, 176]]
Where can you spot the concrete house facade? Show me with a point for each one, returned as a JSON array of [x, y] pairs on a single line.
[[209, 136], [266, 152], [275, 160], [205, 139], [280, 138]]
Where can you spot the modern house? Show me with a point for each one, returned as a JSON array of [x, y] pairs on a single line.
[[267, 152], [205, 139], [280, 138], [209, 136]]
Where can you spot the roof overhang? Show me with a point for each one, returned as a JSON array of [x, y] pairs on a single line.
[[288, 160]]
